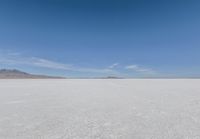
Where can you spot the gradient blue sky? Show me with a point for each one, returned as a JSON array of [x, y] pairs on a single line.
[[80, 38]]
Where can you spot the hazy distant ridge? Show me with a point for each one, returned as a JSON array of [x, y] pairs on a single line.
[[17, 74]]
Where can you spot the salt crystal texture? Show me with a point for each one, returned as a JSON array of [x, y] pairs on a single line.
[[100, 109]]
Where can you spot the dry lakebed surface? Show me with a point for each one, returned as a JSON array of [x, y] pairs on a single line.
[[100, 109]]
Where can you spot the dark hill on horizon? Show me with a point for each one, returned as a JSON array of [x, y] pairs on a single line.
[[17, 74]]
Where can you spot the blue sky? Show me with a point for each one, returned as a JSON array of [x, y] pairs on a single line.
[[94, 38]]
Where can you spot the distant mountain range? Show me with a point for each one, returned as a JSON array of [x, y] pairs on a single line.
[[17, 74]]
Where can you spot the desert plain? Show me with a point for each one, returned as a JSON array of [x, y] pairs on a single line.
[[100, 109]]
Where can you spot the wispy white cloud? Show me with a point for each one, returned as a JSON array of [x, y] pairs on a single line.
[[140, 69], [12, 59], [17, 59], [113, 65], [40, 62], [14, 54]]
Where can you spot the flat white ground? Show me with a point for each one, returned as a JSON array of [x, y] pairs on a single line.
[[100, 109]]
